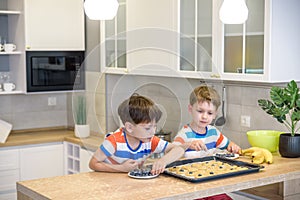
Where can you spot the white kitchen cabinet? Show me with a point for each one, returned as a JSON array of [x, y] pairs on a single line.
[[54, 25], [266, 48], [85, 157], [10, 196], [187, 39], [113, 41], [28, 162], [76, 158], [199, 43], [12, 31], [152, 36], [41, 161], [72, 158], [38, 25], [9, 173], [149, 45]]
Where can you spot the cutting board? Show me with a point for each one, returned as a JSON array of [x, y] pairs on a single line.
[[5, 129]]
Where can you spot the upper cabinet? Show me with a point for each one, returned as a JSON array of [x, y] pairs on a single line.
[[266, 47], [37, 25], [152, 35], [12, 63], [187, 39], [243, 45], [198, 39], [142, 38], [113, 41], [54, 25]]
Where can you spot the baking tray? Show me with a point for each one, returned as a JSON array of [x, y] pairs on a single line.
[[252, 168]]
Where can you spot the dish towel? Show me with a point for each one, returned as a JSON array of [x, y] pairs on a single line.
[[5, 129]]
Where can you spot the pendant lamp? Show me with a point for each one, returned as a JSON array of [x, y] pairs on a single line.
[[233, 12], [101, 9]]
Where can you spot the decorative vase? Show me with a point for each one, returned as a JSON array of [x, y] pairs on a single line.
[[82, 131], [289, 146]]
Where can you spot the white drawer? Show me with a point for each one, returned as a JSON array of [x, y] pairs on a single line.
[[8, 180], [9, 159], [8, 196]]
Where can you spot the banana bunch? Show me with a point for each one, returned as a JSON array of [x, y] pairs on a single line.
[[258, 155]]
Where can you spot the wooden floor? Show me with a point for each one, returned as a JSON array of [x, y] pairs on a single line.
[[268, 191]]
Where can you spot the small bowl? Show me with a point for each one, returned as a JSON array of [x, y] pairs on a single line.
[[268, 139]]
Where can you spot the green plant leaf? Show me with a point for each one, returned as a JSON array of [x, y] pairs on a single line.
[[296, 115], [292, 93], [284, 105], [277, 96], [266, 105], [80, 110], [297, 102]]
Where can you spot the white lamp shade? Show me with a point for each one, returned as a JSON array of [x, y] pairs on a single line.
[[233, 12], [101, 9]]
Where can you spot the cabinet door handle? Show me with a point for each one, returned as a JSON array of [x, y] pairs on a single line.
[[215, 76]]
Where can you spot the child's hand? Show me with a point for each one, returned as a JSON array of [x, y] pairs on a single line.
[[233, 148], [198, 145], [129, 165], [158, 167]]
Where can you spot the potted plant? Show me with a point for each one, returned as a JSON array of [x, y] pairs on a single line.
[[82, 129], [285, 107]]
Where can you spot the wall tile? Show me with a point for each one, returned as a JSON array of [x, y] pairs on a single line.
[[234, 94], [233, 116], [5, 104], [250, 96], [28, 120], [32, 111]]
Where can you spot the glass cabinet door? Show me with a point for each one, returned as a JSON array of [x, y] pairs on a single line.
[[115, 39], [196, 35], [244, 44]]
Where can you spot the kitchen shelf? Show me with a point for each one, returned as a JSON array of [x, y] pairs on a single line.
[[11, 53], [247, 34], [9, 12], [73, 158], [12, 92]]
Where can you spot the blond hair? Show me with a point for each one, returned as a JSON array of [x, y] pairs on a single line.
[[205, 93]]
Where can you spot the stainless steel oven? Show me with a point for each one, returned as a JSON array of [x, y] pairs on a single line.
[[54, 71]]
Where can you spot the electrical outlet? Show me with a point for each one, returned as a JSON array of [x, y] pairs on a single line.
[[51, 101], [245, 121]]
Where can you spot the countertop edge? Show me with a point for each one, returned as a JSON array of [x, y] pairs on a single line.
[[30, 193], [49, 136]]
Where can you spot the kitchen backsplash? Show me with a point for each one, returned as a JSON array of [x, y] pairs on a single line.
[[173, 93], [32, 111]]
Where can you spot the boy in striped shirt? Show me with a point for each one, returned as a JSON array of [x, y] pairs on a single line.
[[199, 135], [128, 147]]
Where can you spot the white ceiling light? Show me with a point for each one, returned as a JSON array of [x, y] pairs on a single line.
[[101, 9], [233, 12]]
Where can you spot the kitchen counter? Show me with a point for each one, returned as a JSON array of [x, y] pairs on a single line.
[[97, 185], [31, 137]]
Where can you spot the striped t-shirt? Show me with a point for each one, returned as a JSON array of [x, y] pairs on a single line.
[[213, 138], [117, 149]]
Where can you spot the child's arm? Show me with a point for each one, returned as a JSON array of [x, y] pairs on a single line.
[[233, 148], [197, 145], [97, 163], [173, 153]]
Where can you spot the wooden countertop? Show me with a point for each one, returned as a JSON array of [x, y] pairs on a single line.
[[20, 138], [95, 185]]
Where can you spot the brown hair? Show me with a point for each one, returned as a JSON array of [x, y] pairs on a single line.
[[139, 109], [205, 93]]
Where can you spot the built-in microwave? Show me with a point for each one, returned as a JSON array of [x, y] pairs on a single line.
[[55, 71]]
